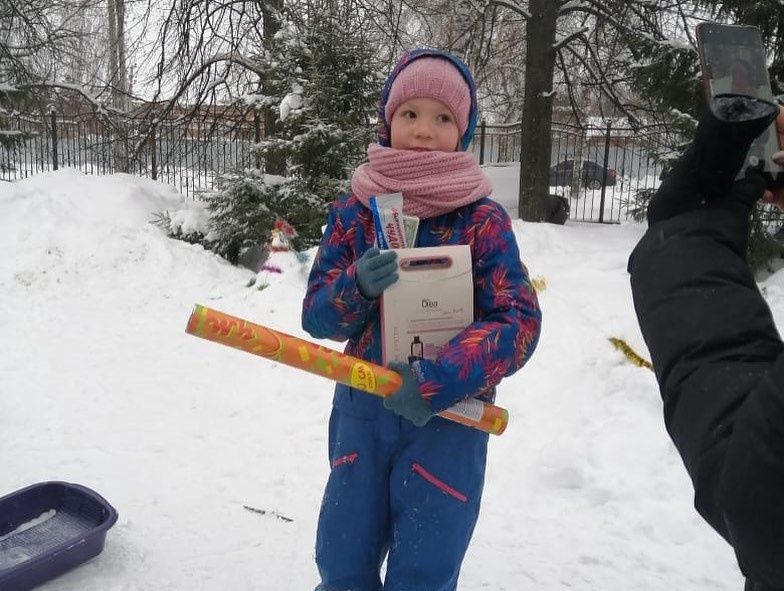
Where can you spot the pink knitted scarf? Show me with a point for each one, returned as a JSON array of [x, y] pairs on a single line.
[[432, 183]]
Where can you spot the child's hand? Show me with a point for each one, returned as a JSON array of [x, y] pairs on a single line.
[[407, 401], [376, 271]]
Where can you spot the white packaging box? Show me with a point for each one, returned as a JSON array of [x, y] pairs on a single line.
[[432, 301]]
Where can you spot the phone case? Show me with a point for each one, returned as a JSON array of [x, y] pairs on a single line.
[[732, 58]]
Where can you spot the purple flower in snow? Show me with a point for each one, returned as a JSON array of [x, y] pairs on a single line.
[[271, 268]]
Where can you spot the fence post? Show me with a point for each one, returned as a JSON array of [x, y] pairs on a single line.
[[520, 173], [54, 139], [257, 137], [482, 133], [576, 175], [154, 148], [604, 172]]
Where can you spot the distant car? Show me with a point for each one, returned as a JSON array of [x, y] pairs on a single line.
[[592, 174]]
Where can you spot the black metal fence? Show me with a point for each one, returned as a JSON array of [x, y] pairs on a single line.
[[605, 171], [189, 153]]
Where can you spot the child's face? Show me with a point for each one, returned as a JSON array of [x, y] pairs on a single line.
[[424, 124]]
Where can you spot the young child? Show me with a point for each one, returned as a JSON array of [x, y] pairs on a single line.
[[406, 485]]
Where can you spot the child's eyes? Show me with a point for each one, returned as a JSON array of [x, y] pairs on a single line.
[[440, 118]]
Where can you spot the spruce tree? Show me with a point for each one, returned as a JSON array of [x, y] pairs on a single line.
[[321, 75], [11, 139], [12, 100]]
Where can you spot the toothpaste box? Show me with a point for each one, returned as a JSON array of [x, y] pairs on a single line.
[[393, 228], [432, 301], [388, 220]]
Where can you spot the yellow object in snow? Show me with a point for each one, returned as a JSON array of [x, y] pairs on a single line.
[[630, 353], [539, 283]]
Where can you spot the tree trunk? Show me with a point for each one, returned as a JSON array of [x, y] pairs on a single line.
[[111, 74], [115, 86], [122, 72], [269, 11], [122, 101], [537, 110]]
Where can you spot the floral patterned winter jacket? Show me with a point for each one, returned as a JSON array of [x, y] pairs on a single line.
[[507, 318]]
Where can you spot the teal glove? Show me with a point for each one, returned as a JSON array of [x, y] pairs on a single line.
[[407, 401], [376, 271]]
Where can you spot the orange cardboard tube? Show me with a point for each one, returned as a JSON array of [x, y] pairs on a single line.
[[366, 376]]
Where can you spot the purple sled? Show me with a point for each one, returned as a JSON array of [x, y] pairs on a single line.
[[47, 529]]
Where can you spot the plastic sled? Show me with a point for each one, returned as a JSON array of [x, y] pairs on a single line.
[[47, 529]]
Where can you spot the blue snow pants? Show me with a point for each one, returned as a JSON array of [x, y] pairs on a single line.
[[397, 491]]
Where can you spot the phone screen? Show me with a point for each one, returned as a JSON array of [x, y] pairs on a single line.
[[733, 62]]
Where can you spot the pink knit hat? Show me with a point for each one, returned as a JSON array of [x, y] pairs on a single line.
[[435, 78]]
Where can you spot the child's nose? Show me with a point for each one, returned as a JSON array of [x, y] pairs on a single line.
[[424, 128]]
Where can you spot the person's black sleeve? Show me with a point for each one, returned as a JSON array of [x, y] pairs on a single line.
[[718, 360]]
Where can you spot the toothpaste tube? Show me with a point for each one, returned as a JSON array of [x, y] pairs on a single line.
[[388, 220]]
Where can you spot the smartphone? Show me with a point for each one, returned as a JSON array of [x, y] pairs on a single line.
[[733, 61]]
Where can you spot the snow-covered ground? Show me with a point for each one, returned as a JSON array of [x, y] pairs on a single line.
[[100, 385]]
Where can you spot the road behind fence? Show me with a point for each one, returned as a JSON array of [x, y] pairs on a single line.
[[190, 153]]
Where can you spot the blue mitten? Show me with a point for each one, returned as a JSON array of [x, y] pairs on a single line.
[[376, 271], [407, 401]]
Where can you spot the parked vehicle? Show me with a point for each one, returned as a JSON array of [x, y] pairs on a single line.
[[592, 174]]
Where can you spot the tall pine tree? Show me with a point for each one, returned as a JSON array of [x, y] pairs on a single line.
[[321, 75]]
